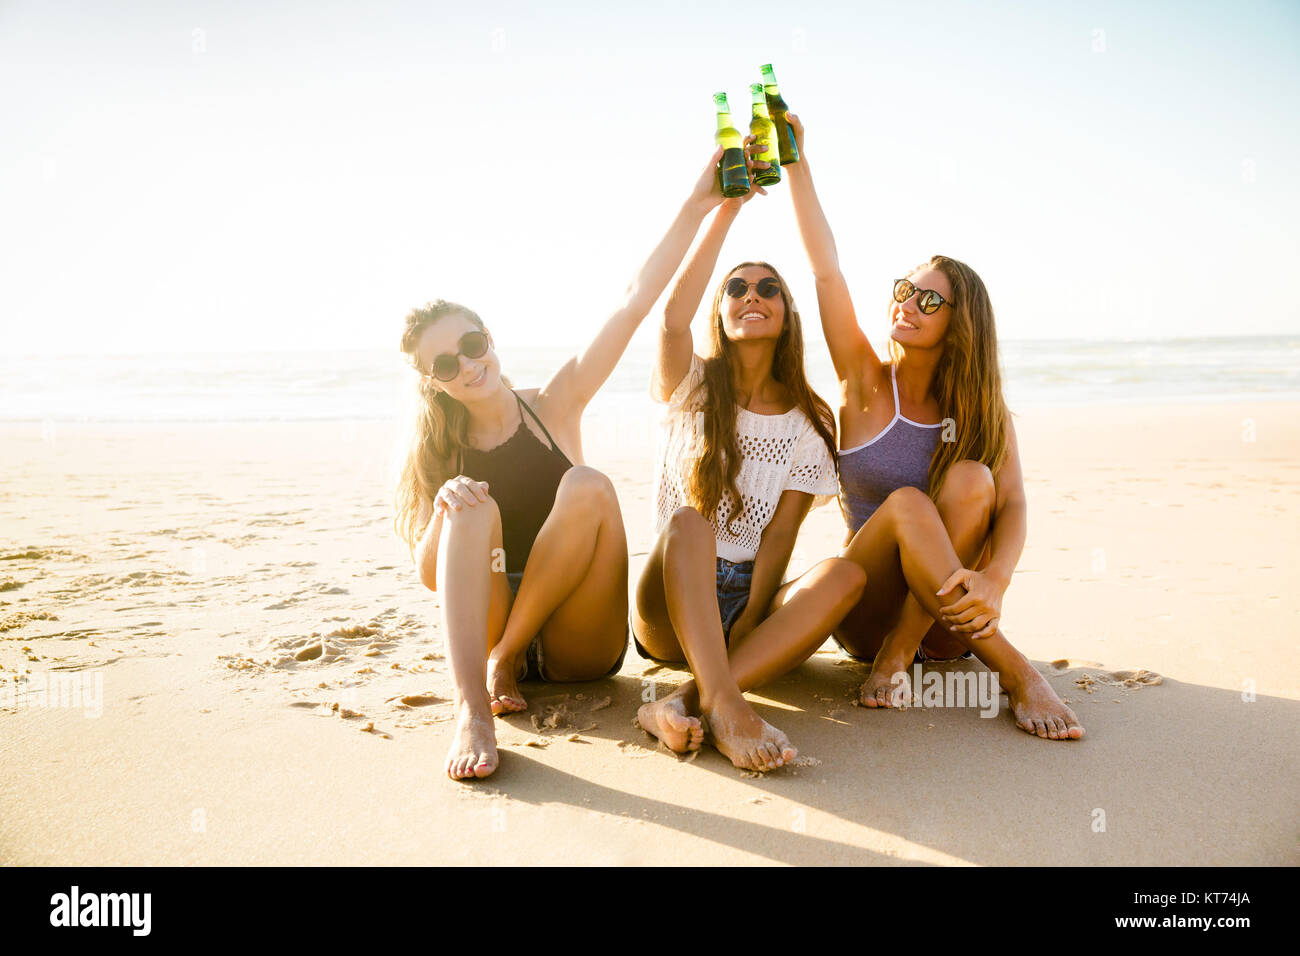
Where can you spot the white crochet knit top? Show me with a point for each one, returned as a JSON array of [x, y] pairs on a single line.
[[781, 452]]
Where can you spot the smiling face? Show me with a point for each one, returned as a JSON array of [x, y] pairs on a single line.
[[477, 376], [908, 325], [751, 316]]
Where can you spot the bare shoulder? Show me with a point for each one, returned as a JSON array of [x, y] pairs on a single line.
[[545, 406]]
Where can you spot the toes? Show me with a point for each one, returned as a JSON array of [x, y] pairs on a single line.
[[486, 764], [1039, 728], [773, 755]]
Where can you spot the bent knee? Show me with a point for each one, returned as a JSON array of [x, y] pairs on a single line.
[[846, 578], [967, 483], [907, 499], [686, 519], [481, 512], [587, 484]]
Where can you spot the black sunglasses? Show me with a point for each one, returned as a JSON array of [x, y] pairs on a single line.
[[447, 365], [928, 301], [766, 287]]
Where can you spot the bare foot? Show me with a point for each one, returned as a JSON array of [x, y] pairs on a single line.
[[745, 738], [1039, 711], [503, 686], [473, 751], [668, 720], [884, 687]]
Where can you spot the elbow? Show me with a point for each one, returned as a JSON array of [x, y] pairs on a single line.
[[428, 571], [426, 564]]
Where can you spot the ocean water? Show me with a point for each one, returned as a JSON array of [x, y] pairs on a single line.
[[376, 385]]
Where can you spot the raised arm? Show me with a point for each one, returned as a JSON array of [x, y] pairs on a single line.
[[581, 377], [855, 360], [675, 344], [674, 354]]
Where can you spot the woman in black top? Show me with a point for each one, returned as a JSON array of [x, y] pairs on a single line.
[[522, 540]]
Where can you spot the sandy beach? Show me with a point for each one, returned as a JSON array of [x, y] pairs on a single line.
[[274, 689]]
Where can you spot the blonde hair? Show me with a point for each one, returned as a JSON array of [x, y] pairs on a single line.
[[967, 380], [715, 471], [440, 426]]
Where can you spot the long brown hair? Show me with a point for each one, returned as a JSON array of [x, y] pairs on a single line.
[[967, 380], [717, 461], [440, 427]]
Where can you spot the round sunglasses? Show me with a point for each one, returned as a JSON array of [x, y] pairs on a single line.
[[766, 287], [928, 301], [447, 365]]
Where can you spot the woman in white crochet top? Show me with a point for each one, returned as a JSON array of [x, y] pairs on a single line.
[[742, 424]]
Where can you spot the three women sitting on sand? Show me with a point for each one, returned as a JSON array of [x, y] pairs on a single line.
[[526, 547]]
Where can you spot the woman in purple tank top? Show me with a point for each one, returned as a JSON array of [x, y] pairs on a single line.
[[927, 430]]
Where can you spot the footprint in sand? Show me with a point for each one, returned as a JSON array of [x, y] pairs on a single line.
[[315, 652], [1130, 678], [281, 605], [31, 554], [19, 618], [1137, 678], [422, 700]]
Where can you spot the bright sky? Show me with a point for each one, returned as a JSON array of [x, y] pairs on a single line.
[[221, 176]]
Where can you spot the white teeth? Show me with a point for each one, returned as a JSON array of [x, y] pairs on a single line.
[[752, 315]]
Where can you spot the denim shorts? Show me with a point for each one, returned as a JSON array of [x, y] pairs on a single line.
[[535, 667], [733, 580], [732, 584]]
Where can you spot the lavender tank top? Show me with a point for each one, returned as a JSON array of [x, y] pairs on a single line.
[[900, 455]]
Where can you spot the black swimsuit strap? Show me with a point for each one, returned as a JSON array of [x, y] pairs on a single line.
[[525, 405]]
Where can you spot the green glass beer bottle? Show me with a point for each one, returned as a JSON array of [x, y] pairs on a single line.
[[776, 108], [731, 170], [764, 133]]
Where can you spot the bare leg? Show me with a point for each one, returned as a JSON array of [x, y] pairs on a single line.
[[906, 536], [574, 591], [965, 504], [802, 613], [474, 606], [677, 616], [667, 719]]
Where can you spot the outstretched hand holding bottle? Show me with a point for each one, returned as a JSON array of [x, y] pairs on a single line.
[[707, 193]]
